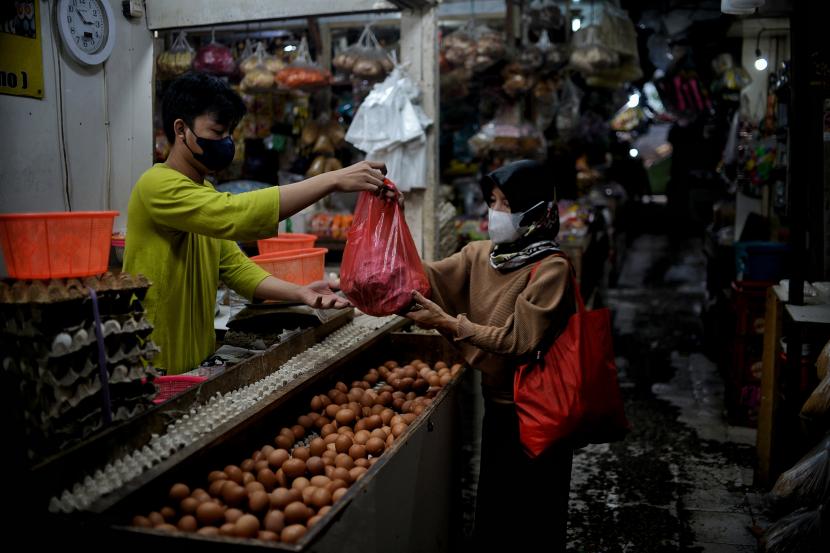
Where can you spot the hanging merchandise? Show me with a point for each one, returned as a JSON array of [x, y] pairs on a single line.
[[381, 266], [570, 100], [366, 58], [731, 78], [215, 58], [322, 137], [518, 77], [474, 47], [605, 47], [545, 14], [546, 102], [257, 77], [817, 406], [303, 73], [798, 532], [177, 60], [808, 481], [510, 135], [391, 126]]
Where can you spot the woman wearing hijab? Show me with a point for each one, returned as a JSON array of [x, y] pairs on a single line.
[[502, 301]]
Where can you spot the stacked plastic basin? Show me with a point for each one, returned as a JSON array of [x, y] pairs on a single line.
[[292, 257]]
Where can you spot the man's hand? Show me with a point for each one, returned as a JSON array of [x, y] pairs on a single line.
[[320, 295], [428, 314], [366, 175]]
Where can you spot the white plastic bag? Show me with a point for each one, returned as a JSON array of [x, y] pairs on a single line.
[[808, 481]]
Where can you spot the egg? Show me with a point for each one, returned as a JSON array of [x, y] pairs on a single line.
[[281, 497], [300, 483], [278, 457], [261, 464], [315, 465], [338, 493], [296, 512], [362, 437], [373, 422], [210, 531], [345, 416], [293, 468], [247, 526], [379, 433], [399, 429], [357, 451], [363, 462], [375, 446], [308, 491], [322, 512], [274, 521], [313, 520], [342, 473], [343, 443], [332, 410], [142, 522], [390, 441], [234, 473], [227, 529], [317, 447], [258, 501], [257, 455], [155, 518], [266, 451], [247, 465], [327, 429], [330, 439], [200, 495], [284, 442], [299, 431], [188, 524], [247, 478], [408, 418], [343, 460], [216, 487], [166, 527], [301, 453], [209, 514], [371, 378], [320, 481], [356, 473], [293, 533], [265, 535], [169, 513], [188, 505], [178, 492], [282, 480], [232, 515], [233, 494], [305, 421], [329, 456]]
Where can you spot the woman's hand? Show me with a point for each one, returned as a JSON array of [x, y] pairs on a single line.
[[320, 295], [428, 314], [366, 175]]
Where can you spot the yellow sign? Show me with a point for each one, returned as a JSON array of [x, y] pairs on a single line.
[[21, 57]]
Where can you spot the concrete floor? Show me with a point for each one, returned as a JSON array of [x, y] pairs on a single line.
[[682, 480]]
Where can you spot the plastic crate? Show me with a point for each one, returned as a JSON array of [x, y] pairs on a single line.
[[56, 245], [171, 386]]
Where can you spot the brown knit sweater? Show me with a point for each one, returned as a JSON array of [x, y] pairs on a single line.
[[503, 317]]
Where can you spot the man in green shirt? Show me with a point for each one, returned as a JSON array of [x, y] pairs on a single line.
[[182, 233]]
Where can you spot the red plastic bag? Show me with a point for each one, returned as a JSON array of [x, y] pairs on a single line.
[[215, 58], [381, 266], [571, 390]]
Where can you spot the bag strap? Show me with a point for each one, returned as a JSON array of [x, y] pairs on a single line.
[[580, 304]]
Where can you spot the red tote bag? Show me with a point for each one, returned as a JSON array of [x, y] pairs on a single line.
[[381, 266], [571, 390]]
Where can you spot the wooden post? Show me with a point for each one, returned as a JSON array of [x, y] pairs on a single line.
[[767, 466], [419, 53]]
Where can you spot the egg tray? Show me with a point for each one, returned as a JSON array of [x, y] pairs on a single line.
[[406, 498]]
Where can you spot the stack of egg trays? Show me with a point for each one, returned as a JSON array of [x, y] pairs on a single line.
[[50, 356]]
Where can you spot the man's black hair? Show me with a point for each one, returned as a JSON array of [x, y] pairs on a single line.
[[194, 94]]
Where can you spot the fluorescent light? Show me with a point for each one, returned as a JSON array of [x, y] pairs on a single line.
[[576, 24], [290, 48], [634, 100], [761, 64], [633, 152]]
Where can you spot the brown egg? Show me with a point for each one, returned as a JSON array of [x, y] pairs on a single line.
[[371, 378], [316, 403], [332, 410], [254, 486], [188, 524], [361, 462], [313, 520], [320, 481], [232, 515], [377, 409], [296, 513], [200, 495], [168, 513], [379, 433], [247, 526], [331, 438], [330, 470], [399, 429], [247, 465], [227, 529], [345, 416], [293, 468], [420, 385], [315, 465], [342, 473], [346, 431], [178, 492], [373, 460], [434, 380], [233, 495], [258, 501], [282, 480], [234, 473], [375, 446], [357, 451], [216, 487], [267, 478], [257, 455], [446, 379], [305, 421], [338, 493], [208, 514], [336, 485], [210, 531], [308, 491], [300, 483], [355, 394], [247, 478], [386, 416], [155, 518], [265, 535], [278, 457], [362, 437], [343, 443], [166, 527], [373, 422], [440, 365], [407, 406], [281, 497], [317, 447], [284, 442], [298, 430], [261, 464], [322, 512], [361, 424], [327, 429], [293, 533], [329, 456], [274, 521], [188, 505], [408, 418], [320, 498], [343, 460], [341, 386], [355, 407], [142, 522]]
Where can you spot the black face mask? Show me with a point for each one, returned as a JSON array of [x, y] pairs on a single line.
[[216, 154]]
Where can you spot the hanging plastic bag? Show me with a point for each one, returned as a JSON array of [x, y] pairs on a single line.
[[366, 58], [808, 481], [381, 266], [474, 47], [571, 390], [257, 76], [799, 532], [215, 58], [177, 60], [508, 134], [817, 405], [303, 73]]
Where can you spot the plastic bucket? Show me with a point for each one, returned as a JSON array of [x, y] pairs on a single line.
[[297, 266], [761, 261], [56, 245], [286, 242]]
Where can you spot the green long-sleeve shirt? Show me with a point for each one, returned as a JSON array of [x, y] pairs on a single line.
[[181, 234]]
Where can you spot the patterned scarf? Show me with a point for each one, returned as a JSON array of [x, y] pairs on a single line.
[[538, 240]]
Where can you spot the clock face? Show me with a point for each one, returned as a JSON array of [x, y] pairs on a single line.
[[87, 29], [87, 24]]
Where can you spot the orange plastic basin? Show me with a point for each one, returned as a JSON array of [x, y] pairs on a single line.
[[56, 245], [298, 266], [286, 242]]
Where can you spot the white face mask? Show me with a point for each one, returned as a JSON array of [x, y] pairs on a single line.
[[505, 227]]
